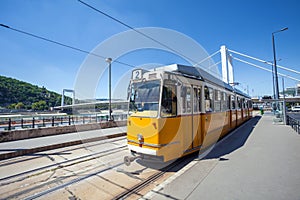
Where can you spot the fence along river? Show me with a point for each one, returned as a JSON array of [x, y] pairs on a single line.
[[19, 121]]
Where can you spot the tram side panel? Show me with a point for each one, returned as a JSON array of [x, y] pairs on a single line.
[[212, 127], [233, 119], [180, 136], [171, 132], [197, 133], [239, 117], [226, 127]]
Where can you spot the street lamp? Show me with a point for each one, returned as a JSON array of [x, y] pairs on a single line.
[[275, 66], [108, 60]]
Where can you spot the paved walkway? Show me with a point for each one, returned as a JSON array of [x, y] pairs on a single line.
[[260, 160]]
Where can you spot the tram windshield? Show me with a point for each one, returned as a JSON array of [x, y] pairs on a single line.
[[144, 98]]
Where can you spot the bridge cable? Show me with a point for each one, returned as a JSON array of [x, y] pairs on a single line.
[[266, 62], [257, 66]]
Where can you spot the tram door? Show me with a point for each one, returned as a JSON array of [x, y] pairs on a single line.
[[191, 107], [196, 121], [186, 119]]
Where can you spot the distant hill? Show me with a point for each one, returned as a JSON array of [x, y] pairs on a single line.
[[15, 94]]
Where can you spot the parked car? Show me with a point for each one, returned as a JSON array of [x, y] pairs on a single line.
[[296, 109]]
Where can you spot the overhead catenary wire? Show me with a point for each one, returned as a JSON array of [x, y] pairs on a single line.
[[257, 66], [215, 64], [103, 57], [61, 44], [137, 31], [213, 72], [206, 58]]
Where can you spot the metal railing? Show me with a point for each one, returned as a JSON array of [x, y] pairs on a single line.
[[294, 123], [37, 122]]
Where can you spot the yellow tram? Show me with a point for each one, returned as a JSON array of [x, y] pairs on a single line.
[[176, 110]]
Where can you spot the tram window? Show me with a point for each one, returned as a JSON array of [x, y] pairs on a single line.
[[197, 100], [229, 101], [233, 102], [200, 99], [239, 103], [209, 97], [224, 102], [183, 97], [242, 103], [169, 101], [245, 103], [217, 102], [145, 96], [186, 99], [250, 105]]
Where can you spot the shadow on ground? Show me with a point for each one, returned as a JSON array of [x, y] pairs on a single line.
[[234, 141], [227, 145]]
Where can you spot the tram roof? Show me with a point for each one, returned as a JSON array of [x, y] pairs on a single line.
[[198, 73]]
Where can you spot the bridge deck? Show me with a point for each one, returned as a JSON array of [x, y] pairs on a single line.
[[260, 160]]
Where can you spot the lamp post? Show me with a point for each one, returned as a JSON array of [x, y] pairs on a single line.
[[275, 66], [273, 80], [108, 60]]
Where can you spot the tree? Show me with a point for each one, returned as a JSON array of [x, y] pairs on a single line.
[[13, 91], [12, 106], [19, 105], [40, 105]]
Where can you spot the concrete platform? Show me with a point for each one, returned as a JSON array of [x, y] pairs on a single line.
[[260, 160], [33, 145]]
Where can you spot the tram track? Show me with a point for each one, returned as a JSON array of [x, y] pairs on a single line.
[[61, 165], [70, 177], [69, 183], [19, 159], [29, 183], [135, 190]]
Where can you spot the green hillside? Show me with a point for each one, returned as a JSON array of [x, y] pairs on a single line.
[[15, 94]]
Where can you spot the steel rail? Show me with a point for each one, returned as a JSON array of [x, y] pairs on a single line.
[[70, 182], [138, 187], [63, 164]]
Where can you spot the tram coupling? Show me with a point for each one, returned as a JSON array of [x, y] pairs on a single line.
[[129, 159]]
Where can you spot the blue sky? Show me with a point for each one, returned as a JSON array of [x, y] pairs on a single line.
[[243, 26]]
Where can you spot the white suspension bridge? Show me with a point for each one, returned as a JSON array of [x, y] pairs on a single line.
[[227, 76]]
